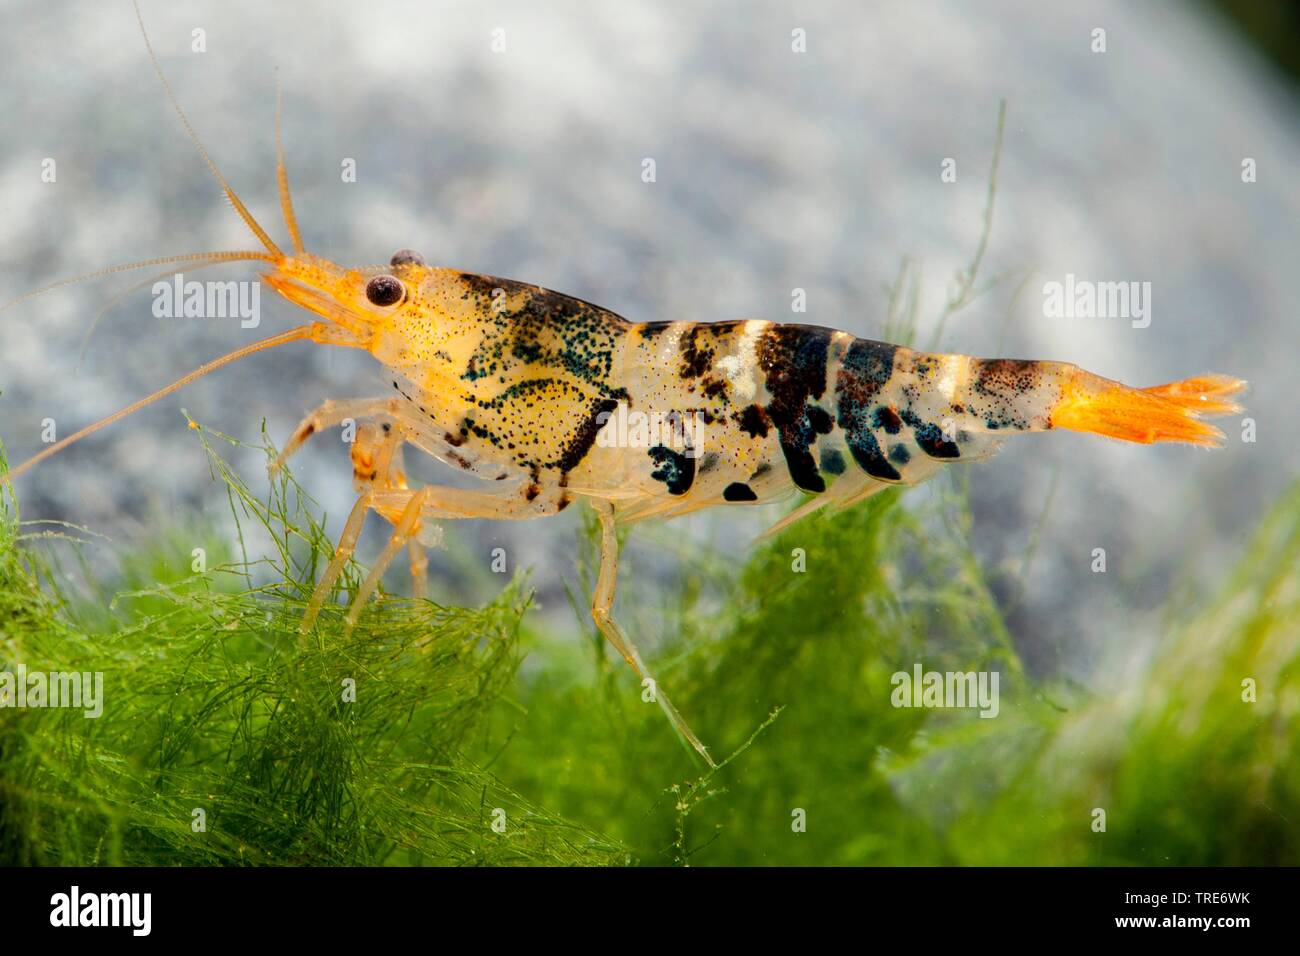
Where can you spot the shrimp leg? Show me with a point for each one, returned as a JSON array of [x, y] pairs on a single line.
[[602, 604], [330, 413], [419, 569], [347, 544], [375, 462], [382, 486], [406, 508], [404, 532]]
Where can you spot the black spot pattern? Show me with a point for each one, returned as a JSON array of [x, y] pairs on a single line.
[[531, 330], [675, 470], [793, 359], [753, 421], [866, 368], [738, 491], [581, 442], [998, 383], [546, 328], [832, 462], [697, 356], [887, 419], [866, 452], [929, 437]]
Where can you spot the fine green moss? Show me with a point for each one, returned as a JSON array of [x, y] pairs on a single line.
[[224, 739]]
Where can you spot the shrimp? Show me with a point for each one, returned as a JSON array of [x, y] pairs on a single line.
[[550, 400]]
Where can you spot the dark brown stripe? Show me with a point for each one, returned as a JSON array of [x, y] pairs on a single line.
[[793, 361]]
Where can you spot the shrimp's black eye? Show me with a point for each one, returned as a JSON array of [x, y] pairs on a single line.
[[407, 257], [385, 290]]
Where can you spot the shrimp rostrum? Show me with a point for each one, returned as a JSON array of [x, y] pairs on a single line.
[[552, 400]]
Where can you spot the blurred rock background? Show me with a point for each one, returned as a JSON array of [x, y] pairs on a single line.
[[775, 170]]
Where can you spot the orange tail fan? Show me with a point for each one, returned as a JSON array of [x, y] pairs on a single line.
[[1172, 412]]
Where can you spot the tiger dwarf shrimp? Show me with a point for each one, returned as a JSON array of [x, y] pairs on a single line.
[[522, 387]]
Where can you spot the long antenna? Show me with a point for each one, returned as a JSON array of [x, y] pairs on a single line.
[[293, 335], [142, 264], [118, 297], [235, 201], [282, 174]]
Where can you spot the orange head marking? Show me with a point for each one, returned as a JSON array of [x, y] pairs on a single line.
[[367, 302]]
